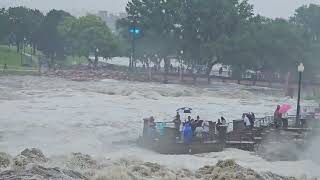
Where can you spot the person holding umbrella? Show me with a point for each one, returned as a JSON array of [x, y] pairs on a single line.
[[185, 110], [277, 117]]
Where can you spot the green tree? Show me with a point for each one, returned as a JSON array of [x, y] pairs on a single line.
[[308, 17], [20, 26], [156, 20], [209, 25], [24, 25], [219, 31], [49, 39], [267, 45], [4, 23], [88, 35], [35, 18]]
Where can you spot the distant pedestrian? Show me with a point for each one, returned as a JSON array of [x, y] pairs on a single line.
[[5, 67], [220, 71]]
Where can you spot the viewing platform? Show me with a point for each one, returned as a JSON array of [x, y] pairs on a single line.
[[239, 137]]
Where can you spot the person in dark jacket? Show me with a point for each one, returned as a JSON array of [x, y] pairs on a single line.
[[252, 118], [177, 124], [223, 121]]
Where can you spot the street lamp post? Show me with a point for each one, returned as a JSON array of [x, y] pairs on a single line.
[[96, 58], [300, 70], [181, 55]]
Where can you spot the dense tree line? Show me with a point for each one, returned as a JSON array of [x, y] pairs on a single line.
[[207, 32], [57, 34], [198, 33]]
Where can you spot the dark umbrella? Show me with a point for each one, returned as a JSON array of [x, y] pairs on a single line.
[[185, 110]]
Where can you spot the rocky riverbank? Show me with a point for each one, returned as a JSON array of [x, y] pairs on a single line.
[[85, 74], [33, 164]]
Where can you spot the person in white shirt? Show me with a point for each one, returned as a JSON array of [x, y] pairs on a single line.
[[199, 132], [206, 127], [246, 121]]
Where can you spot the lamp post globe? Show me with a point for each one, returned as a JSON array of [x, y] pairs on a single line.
[[300, 71], [301, 68]]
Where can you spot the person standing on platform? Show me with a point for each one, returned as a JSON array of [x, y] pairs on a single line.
[[277, 117], [177, 123]]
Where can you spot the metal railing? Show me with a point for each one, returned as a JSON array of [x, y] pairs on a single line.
[[266, 121]]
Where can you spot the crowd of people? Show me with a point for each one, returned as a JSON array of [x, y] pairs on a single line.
[[248, 120], [190, 130], [195, 129]]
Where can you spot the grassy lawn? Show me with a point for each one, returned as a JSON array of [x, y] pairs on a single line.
[[10, 57]]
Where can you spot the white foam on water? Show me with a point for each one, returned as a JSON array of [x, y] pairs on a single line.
[[61, 117]]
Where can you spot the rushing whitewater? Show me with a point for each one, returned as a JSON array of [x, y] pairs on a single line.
[[101, 118]]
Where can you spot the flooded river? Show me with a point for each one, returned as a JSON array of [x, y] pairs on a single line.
[[60, 117]]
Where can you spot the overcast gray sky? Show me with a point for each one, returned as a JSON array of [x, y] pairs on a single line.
[[270, 8]]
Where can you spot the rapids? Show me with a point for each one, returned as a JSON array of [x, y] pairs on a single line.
[[102, 118]]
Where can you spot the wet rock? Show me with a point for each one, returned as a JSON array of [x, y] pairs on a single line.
[[137, 170], [142, 171], [229, 170], [28, 156], [5, 160], [41, 173], [115, 173], [82, 161], [34, 155], [184, 174], [270, 175], [153, 167]]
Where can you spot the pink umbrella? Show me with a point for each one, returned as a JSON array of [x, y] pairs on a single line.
[[285, 108]]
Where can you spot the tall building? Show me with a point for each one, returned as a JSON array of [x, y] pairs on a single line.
[[111, 18]]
